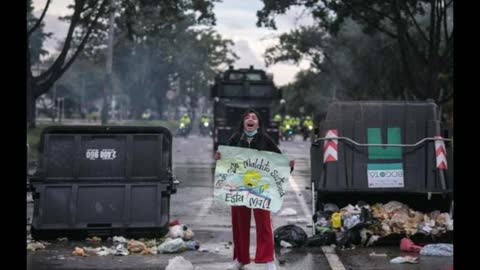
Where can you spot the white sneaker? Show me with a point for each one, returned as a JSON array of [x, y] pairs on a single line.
[[270, 266], [236, 265]]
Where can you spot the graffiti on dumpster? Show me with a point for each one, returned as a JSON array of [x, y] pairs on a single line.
[[252, 178]]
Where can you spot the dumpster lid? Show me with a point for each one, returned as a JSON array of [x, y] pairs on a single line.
[[104, 130]]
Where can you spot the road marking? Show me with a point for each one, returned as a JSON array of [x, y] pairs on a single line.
[[301, 199], [332, 258]]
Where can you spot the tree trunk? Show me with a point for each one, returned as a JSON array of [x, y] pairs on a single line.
[[31, 116]]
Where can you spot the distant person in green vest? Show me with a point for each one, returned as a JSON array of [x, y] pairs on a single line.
[[307, 127]]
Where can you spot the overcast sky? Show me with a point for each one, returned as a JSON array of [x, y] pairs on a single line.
[[235, 20]]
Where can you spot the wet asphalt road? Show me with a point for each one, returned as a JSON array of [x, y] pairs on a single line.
[[193, 205]]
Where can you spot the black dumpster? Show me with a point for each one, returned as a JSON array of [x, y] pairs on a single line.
[[358, 165], [102, 181]]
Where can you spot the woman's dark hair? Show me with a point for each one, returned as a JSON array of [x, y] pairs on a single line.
[[260, 121]]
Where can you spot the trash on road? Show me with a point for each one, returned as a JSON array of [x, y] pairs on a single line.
[[324, 236], [364, 224], [172, 245], [285, 244], [192, 245], [103, 251], [119, 239], [405, 259], [175, 231], [187, 233], [407, 245], [288, 212], [62, 239], [94, 240], [35, 246], [179, 263], [149, 251], [373, 254], [292, 234], [202, 249], [79, 252], [135, 246], [120, 250], [437, 250]]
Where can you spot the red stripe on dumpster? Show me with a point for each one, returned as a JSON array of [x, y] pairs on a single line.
[[330, 148], [440, 153], [330, 144]]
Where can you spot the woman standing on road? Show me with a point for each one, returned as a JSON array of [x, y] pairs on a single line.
[[251, 134]]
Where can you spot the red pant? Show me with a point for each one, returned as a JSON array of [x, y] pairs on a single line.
[[241, 216]]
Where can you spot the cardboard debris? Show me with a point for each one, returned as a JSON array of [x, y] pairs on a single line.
[[79, 252], [135, 246]]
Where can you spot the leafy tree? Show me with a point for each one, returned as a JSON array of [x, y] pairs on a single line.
[[422, 32]]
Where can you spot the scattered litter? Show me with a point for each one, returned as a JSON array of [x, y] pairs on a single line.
[[120, 250], [324, 237], [149, 251], [104, 251], [217, 250], [330, 208], [173, 223], [407, 245], [393, 206], [60, 257], [35, 246], [297, 221], [292, 234], [405, 259], [373, 254], [62, 239], [202, 249], [171, 245], [373, 239], [350, 222], [175, 231], [288, 212], [135, 246], [120, 239], [151, 243], [91, 250], [285, 244], [365, 224], [437, 250], [94, 239], [323, 222], [350, 210], [187, 233], [336, 220], [179, 263], [154, 250], [192, 245], [79, 252]]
